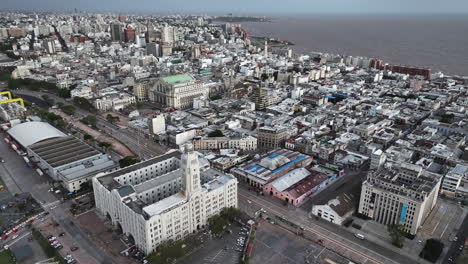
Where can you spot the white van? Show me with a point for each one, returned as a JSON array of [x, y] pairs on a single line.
[[359, 236]]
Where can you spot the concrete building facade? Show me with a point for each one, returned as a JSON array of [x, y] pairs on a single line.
[[244, 143], [177, 91], [403, 195], [271, 137], [166, 197]]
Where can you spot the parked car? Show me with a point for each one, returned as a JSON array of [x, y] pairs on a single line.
[[75, 248], [360, 236]]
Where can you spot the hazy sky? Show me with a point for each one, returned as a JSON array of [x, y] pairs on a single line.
[[245, 6]]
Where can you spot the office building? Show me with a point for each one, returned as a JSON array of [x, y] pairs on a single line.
[[163, 198], [453, 179], [271, 137], [116, 32], [403, 195], [141, 88], [153, 49]]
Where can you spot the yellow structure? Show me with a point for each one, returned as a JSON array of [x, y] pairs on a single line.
[[7, 93], [13, 100]]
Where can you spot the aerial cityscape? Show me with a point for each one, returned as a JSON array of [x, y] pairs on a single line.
[[136, 136]]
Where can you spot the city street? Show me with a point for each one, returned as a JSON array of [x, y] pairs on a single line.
[[136, 142], [363, 251], [19, 178]]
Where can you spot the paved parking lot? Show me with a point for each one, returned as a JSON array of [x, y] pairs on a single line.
[[101, 233], [217, 250], [442, 223], [48, 228], [274, 245]]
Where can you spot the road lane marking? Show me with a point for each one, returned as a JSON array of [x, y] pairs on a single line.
[[323, 235]]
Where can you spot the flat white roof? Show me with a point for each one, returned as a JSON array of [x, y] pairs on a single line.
[[29, 133], [290, 178], [166, 203]]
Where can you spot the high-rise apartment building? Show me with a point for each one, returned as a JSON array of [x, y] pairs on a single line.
[[169, 34], [163, 198], [130, 34], [403, 194], [116, 31], [153, 49], [49, 46]]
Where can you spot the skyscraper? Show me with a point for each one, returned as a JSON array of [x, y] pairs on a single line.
[[117, 32]]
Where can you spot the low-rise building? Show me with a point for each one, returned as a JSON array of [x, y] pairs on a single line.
[[207, 143], [259, 172], [336, 210]]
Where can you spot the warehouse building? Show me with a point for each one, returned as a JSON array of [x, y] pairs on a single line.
[[261, 171], [64, 158]]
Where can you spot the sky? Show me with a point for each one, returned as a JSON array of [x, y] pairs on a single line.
[[240, 7]]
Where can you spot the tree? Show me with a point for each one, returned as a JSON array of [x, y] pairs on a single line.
[[397, 233], [88, 137], [216, 133], [68, 109], [89, 120], [127, 161], [217, 223], [230, 213], [83, 103], [112, 118], [104, 145], [432, 250], [216, 97], [64, 93]]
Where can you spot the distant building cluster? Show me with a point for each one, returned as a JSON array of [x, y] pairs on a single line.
[[287, 125]]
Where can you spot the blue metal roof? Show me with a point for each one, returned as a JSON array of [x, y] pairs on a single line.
[[290, 163], [342, 94], [273, 155]]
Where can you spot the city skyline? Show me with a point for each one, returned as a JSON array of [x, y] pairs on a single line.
[[257, 7]]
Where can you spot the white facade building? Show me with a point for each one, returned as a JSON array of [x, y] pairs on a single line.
[[244, 143], [157, 124], [166, 197], [177, 91], [336, 210], [404, 195], [114, 102], [453, 180]]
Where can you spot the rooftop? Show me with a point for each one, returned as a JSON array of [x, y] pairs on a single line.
[[290, 178], [165, 204], [180, 78], [63, 150], [29, 133]]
